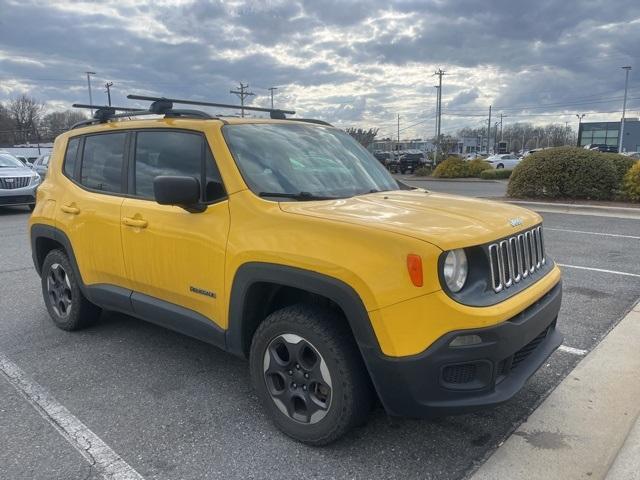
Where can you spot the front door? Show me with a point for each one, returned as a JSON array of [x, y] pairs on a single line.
[[170, 254]]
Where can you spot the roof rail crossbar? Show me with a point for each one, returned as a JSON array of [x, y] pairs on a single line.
[[274, 112]]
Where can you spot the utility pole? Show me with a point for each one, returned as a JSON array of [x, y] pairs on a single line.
[[580, 117], [272, 89], [242, 93], [398, 148], [627, 69], [89, 85], [501, 116], [566, 133], [108, 86], [489, 130], [495, 134], [439, 73], [435, 154]]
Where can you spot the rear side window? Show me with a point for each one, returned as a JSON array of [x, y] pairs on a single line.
[[174, 153], [70, 158], [102, 160]]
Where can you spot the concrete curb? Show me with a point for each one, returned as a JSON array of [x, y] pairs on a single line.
[[579, 429], [627, 464], [457, 180], [578, 209]]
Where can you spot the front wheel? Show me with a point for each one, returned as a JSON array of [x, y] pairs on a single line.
[[499, 166], [32, 206], [309, 375]]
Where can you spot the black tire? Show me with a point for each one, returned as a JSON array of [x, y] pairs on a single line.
[[499, 166], [325, 336], [67, 306], [32, 206]]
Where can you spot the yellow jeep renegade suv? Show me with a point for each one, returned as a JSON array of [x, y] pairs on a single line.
[[288, 243]]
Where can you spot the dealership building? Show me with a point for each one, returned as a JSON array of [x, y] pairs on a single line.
[[608, 133]]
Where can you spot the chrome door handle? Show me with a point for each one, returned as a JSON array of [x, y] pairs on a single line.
[[135, 222], [70, 209]]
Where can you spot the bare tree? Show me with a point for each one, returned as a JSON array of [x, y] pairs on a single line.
[[25, 112], [55, 123], [365, 137], [6, 127]]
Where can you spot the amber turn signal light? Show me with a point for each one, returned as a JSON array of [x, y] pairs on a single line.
[[414, 265]]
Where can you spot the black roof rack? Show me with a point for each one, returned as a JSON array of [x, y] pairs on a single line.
[[103, 113], [164, 106], [275, 113]]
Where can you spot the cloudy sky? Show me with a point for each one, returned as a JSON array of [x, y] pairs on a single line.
[[351, 63]]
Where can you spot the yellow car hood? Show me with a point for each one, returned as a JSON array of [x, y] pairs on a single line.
[[447, 221]]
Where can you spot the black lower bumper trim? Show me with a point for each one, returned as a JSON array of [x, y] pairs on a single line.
[[445, 380], [17, 200]]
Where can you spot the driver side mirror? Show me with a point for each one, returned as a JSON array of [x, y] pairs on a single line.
[[180, 191]]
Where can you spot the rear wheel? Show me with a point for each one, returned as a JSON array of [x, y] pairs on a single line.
[[32, 206], [67, 306], [499, 166], [309, 374]]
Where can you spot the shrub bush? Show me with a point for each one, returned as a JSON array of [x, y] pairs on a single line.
[[423, 172], [631, 183], [452, 167], [495, 174], [622, 164], [565, 172], [477, 166]]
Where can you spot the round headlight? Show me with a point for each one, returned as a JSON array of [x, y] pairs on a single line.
[[455, 269]]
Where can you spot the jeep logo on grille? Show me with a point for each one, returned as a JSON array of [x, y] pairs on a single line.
[[515, 221], [9, 180]]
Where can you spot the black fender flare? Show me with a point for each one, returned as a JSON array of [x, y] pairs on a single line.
[[335, 290], [40, 231]]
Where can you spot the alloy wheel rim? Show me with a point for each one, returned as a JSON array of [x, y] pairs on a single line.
[[59, 290], [297, 378]]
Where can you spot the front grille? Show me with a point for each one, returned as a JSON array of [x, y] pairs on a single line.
[[10, 183], [515, 258], [463, 373]]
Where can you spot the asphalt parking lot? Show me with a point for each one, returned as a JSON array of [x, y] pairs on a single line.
[[173, 407]]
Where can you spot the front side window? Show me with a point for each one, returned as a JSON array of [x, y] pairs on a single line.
[[102, 161], [291, 159], [173, 153]]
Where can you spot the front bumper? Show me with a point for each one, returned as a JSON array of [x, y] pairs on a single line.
[[18, 196], [445, 380]]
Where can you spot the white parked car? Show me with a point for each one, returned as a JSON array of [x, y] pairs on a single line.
[[505, 160]]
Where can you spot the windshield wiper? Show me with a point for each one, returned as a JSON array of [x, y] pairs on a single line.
[[296, 196]]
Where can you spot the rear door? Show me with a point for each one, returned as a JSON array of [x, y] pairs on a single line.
[[171, 254], [89, 212]]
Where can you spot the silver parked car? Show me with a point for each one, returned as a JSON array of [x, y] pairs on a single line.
[[41, 164], [18, 183]]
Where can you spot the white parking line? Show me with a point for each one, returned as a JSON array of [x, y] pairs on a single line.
[[634, 237], [602, 270], [575, 351], [99, 455]]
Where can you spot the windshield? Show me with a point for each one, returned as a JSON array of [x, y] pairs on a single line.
[[295, 159], [7, 160]]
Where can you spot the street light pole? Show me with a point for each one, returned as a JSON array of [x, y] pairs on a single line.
[[624, 107], [272, 89], [580, 117], [89, 85]]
